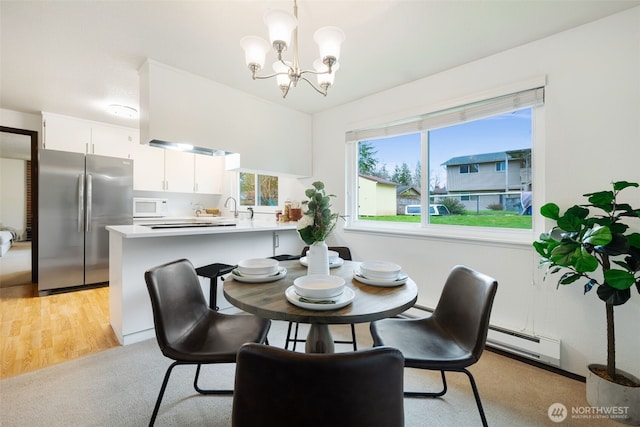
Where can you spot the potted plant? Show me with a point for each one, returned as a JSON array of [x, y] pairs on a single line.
[[595, 244], [315, 226]]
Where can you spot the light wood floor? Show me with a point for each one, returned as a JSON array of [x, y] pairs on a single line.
[[40, 331]]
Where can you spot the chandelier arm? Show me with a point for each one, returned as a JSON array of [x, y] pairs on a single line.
[[320, 91], [315, 72], [268, 76]]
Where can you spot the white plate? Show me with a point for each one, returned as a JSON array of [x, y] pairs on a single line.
[[401, 280], [282, 271], [334, 264], [340, 301]]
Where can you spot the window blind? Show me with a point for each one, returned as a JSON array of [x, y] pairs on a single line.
[[455, 115]]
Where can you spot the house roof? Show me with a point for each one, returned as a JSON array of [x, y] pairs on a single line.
[[401, 189], [486, 157], [377, 179]]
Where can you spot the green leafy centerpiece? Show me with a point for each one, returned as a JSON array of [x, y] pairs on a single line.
[[315, 226]]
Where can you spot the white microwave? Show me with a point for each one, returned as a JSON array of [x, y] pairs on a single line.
[[147, 207]]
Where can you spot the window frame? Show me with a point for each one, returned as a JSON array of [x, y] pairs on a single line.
[[424, 229]]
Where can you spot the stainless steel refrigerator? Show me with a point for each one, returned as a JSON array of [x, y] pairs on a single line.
[[79, 195]]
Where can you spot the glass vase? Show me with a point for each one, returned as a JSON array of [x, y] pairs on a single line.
[[318, 259]]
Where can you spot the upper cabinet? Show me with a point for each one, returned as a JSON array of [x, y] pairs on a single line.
[[84, 136], [157, 169]]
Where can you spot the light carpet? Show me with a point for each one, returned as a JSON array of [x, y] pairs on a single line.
[[15, 265], [118, 387]]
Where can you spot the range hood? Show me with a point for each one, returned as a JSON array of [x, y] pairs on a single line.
[[188, 148]]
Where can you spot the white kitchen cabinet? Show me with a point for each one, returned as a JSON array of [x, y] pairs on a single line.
[[148, 168], [66, 133], [208, 174], [83, 136], [178, 171], [113, 141]]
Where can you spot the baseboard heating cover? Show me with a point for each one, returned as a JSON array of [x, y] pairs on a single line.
[[542, 349]]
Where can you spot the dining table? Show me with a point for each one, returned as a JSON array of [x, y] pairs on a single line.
[[360, 303]]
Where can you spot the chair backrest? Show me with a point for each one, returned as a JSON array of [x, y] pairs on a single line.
[[464, 307], [343, 251], [281, 388], [176, 299]]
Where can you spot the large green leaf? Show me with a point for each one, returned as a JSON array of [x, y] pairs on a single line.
[[563, 254], [597, 236], [569, 278], [602, 200], [570, 222], [550, 210], [583, 261], [634, 240], [619, 279], [613, 296], [621, 185]]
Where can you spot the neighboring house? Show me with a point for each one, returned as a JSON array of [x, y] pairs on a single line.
[[377, 196], [406, 195], [492, 173]]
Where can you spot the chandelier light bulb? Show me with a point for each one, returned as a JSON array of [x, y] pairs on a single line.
[[329, 40], [280, 24], [255, 51], [325, 78]]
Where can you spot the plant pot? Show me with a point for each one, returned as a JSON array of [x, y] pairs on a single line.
[[618, 402]]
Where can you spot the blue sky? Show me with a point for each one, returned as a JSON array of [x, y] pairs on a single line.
[[499, 133]]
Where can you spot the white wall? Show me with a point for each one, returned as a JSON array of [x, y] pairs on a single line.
[[13, 191], [592, 134]]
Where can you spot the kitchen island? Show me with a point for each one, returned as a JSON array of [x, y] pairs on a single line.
[[133, 249]]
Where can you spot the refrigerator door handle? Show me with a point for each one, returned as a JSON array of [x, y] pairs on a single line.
[[87, 221], [80, 203]]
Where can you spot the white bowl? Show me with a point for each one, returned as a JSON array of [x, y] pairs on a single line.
[[319, 286], [258, 266], [333, 256], [380, 270]]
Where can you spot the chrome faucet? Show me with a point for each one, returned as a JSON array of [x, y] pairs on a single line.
[[235, 206]]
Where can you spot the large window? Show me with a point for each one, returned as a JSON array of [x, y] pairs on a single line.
[[445, 164], [258, 190]]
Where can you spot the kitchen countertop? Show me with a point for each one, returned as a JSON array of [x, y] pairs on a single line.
[[242, 226]]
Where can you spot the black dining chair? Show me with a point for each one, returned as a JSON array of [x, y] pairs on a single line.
[[281, 388], [188, 331], [345, 253], [453, 337]]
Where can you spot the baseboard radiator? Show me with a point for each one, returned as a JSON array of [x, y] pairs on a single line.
[[541, 349], [538, 348]]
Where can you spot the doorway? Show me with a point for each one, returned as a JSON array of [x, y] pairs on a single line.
[[19, 150]]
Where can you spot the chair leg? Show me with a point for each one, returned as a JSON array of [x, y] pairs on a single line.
[[429, 394], [476, 394], [201, 391], [353, 336], [288, 339], [295, 337], [161, 394]]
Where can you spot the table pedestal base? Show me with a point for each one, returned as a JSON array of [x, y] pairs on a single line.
[[319, 339]]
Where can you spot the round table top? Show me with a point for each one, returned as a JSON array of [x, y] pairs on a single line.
[[370, 303]]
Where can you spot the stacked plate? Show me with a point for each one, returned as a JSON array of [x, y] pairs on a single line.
[[334, 260], [258, 270], [319, 292], [380, 273]]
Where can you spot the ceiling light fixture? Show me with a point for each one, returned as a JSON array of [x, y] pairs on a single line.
[[123, 111], [281, 25]]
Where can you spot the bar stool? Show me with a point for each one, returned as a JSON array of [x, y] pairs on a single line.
[[213, 272]]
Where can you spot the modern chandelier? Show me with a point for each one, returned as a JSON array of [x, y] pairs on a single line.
[[283, 26]]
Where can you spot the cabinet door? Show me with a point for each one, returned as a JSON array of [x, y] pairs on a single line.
[[66, 133], [178, 171], [148, 168], [113, 141], [208, 174]]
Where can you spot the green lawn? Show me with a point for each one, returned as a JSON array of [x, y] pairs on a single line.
[[488, 218]]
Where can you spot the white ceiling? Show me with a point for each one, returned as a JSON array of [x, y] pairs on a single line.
[[76, 57]]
